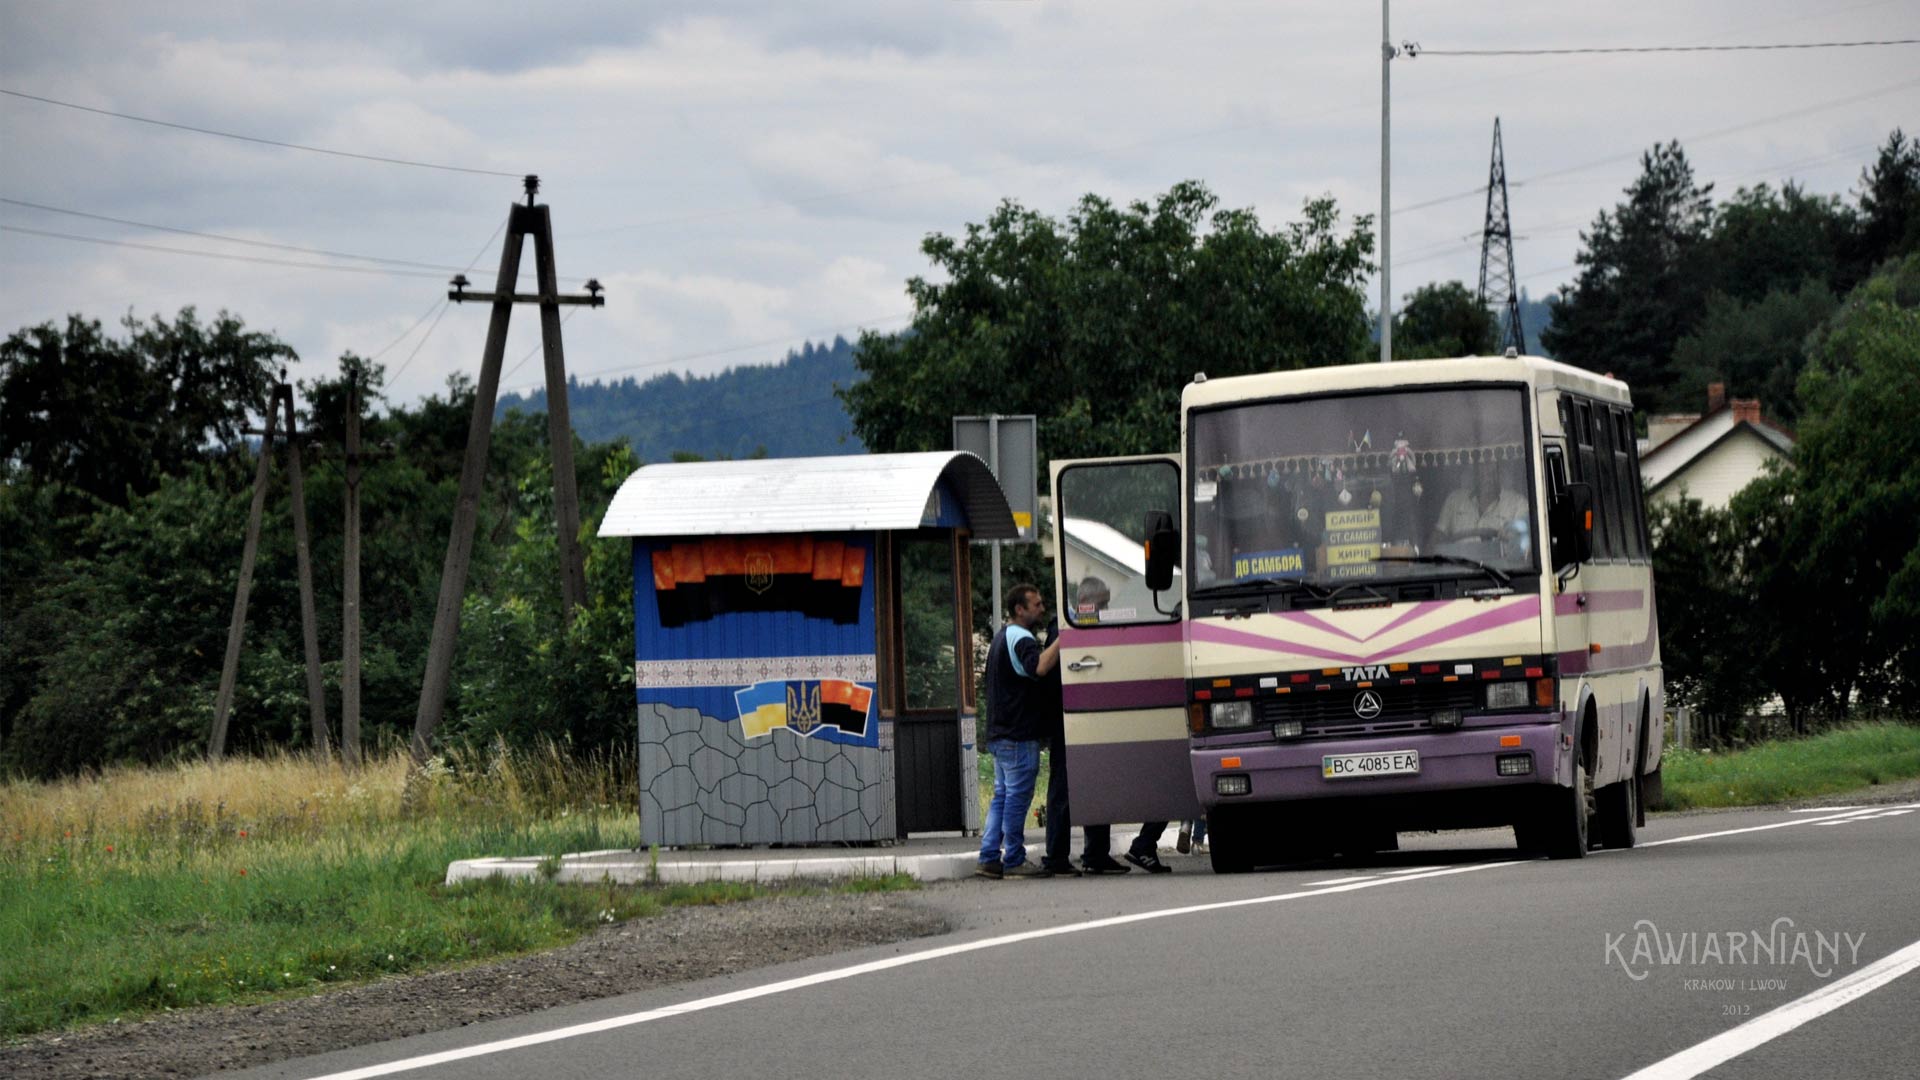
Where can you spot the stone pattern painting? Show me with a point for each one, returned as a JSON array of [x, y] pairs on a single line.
[[702, 783]]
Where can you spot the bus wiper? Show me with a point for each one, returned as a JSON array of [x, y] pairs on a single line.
[[1244, 584], [1493, 572]]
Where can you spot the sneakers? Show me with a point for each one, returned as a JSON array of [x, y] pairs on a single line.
[[1066, 869], [990, 870], [1102, 864], [1184, 842], [1150, 862], [1027, 869]]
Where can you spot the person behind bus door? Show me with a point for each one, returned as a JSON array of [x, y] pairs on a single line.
[[1483, 507], [1017, 695], [1089, 599]]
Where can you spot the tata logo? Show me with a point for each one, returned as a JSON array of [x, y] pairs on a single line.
[[1355, 674], [1367, 705]]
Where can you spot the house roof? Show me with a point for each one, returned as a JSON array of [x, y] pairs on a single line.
[[1672, 456], [846, 493]]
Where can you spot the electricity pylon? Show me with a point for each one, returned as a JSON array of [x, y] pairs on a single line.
[[1499, 289]]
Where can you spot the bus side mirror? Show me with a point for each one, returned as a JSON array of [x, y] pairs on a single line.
[[1572, 525], [1163, 550]]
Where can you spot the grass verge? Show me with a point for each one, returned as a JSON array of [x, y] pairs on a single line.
[[1845, 759], [143, 890]]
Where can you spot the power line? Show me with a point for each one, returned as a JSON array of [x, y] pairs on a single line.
[[260, 259], [259, 140], [1614, 159], [431, 308], [1413, 49], [322, 252], [445, 303]]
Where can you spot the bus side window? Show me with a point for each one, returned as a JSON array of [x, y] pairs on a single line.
[[1626, 470], [1558, 540], [1588, 469], [1607, 483]]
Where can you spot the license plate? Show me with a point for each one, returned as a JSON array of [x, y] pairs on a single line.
[[1361, 766]]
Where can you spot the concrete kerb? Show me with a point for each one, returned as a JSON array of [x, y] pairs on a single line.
[[637, 869], [935, 857]]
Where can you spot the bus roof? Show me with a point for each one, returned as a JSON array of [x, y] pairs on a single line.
[[1537, 372]]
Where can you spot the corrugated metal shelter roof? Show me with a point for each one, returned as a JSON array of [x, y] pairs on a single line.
[[849, 493]]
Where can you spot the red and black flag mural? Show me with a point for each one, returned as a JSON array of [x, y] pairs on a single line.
[[698, 579]]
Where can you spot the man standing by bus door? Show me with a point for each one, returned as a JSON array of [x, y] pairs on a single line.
[[1096, 857], [1017, 695]]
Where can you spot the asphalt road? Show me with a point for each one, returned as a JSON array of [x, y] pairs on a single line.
[[1449, 958]]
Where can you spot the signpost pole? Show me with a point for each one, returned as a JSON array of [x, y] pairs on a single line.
[[993, 463]]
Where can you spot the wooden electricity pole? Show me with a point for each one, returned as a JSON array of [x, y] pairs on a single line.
[[522, 221], [281, 404], [350, 586]]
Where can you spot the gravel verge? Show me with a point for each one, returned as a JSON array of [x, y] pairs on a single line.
[[679, 945]]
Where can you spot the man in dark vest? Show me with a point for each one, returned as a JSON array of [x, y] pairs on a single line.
[[1018, 719]]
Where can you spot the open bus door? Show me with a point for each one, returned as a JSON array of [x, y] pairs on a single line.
[[1122, 646]]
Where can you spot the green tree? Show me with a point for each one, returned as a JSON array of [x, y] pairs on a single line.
[[1095, 323], [1764, 241], [1706, 621], [1890, 203], [1757, 348], [103, 416], [1643, 280], [1446, 319]]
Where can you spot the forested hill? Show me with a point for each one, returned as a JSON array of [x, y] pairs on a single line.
[[787, 408]]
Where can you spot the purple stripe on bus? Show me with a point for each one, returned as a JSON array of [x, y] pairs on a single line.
[[1309, 619], [1131, 694], [1613, 657], [1506, 615], [1073, 637], [1518, 611], [1610, 600]]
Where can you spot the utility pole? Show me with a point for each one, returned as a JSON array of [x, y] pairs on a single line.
[[1387, 53], [350, 578], [522, 221], [281, 403], [1499, 289]]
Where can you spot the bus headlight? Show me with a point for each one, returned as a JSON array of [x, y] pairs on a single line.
[[1289, 729], [1509, 695], [1231, 714]]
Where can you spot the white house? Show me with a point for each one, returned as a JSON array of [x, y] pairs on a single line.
[[1712, 455]]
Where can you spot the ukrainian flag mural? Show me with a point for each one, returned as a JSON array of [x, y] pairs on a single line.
[[834, 710]]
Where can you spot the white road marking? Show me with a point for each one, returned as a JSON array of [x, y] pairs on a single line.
[[1764, 828], [1348, 885], [1341, 880], [1824, 809], [1769, 1026], [702, 1004]]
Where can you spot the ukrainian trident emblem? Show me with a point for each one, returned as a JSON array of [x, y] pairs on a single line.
[[759, 571], [803, 706]]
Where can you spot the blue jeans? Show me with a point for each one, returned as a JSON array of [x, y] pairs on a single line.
[[1016, 765]]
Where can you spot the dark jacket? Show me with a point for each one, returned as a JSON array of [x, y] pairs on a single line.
[[1023, 705]]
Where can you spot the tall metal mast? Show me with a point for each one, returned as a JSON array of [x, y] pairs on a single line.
[[1499, 289]]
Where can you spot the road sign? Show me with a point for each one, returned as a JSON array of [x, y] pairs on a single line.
[[1010, 447]]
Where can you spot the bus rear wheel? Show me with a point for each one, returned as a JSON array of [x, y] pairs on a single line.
[[1619, 811]]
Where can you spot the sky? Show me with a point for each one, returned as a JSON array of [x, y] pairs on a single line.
[[747, 175]]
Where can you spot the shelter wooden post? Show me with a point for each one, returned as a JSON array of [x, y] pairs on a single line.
[[237, 627]]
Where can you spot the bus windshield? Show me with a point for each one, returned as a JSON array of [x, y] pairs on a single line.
[[1322, 492]]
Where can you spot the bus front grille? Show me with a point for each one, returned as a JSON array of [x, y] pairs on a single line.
[[1403, 709]]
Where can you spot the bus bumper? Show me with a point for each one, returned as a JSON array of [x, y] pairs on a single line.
[[1452, 761]]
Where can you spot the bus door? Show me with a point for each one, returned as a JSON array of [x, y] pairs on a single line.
[[1122, 647]]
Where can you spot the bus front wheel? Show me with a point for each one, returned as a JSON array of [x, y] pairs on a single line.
[[1229, 843], [1563, 832], [1619, 811]]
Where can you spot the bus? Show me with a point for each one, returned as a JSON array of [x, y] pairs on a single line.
[[1366, 600]]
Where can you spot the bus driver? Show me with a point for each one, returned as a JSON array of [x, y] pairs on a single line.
[[1482, 508]]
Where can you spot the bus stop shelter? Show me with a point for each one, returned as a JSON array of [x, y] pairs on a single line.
[[803, 645]]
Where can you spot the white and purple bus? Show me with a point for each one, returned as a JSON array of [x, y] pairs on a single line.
[[1410, 596]]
